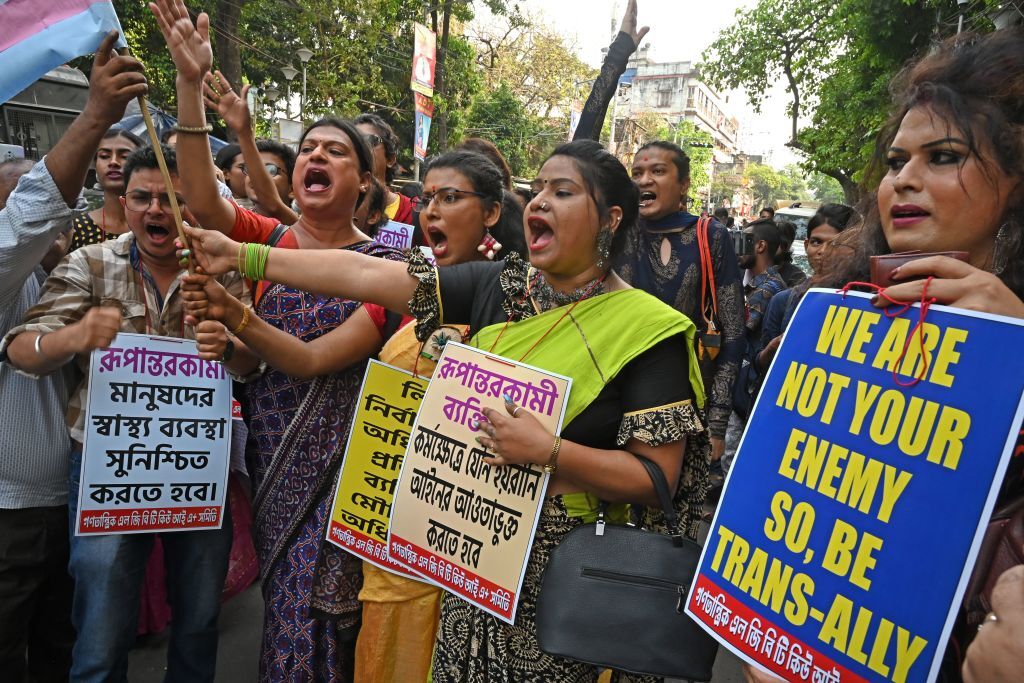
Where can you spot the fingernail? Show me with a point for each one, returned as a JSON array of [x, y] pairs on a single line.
[[507, 397], [479, 440], [475, 424], [185, 252], [895, 272]]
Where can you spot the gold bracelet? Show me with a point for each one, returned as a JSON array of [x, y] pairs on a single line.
[[245, 322], [553, 458], [193, 130]]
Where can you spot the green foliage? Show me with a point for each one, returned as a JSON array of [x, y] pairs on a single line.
[[501, 117], [699, 146], [770, 186], [826, 189]]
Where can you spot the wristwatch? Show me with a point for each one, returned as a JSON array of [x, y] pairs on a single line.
[[229, 351]]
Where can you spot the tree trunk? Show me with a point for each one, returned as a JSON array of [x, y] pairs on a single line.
[[440, 117], [226, 55]]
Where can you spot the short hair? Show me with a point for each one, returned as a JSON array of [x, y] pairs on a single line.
[[387, 136], [769, 210], [722, 215], [608, 183], [412, 189], [836, 215], [375, 199], [145, 157], [679, 157], [489, 150], [765, 230], [226, 155], [282, 151]]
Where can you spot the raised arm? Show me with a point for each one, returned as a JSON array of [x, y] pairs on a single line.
[[190, 49], [331, 272], [624, 45], [234, 109]]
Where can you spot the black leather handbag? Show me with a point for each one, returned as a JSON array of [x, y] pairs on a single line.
[[613, 596]]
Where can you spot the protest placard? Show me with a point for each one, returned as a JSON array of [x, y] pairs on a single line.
[[395, 234], [157, 439], [387, 406], [852, 515], [456, 520]]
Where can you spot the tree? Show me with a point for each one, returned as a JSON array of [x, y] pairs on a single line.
[[654, 125], [836, 58], [500, 117], [700, 147], [765, 184], [826, 189]]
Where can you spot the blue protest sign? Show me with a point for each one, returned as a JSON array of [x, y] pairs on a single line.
[[850, 521]]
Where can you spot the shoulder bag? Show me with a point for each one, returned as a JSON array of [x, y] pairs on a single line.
[[613, 596]]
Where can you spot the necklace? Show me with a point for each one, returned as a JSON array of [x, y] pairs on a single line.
[[545, 297]]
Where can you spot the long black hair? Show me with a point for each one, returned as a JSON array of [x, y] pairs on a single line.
[[608, 183], [359, 144]]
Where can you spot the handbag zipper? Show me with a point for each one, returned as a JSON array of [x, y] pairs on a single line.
[[632, 579]]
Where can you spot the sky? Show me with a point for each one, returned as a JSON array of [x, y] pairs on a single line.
[[680, 30]]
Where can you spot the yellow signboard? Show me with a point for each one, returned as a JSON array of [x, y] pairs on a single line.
[[384, 416]]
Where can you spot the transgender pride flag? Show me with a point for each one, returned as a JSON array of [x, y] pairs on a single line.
[[39, 35]]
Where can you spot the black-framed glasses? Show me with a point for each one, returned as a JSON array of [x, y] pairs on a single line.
[[445, 195], [140, 200], [373, 140], [272, 169]]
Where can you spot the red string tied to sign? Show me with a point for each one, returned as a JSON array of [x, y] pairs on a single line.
[[926, 303]]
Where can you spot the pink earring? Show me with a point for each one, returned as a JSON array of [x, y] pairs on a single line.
[[489, 246]]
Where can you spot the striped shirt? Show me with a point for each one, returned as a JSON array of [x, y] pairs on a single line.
[[109, 273], [34, 444]]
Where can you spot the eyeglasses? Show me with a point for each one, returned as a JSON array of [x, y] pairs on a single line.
[[373, 140], [446, 195], [272, 169], [141, 201]]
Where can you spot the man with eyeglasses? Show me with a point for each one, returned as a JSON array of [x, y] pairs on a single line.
[[130, 284]]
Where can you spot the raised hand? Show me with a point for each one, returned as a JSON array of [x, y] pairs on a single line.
[[97, 328], [232, 107], [189, 44], [115, 80], [212, 250], [629, 24]]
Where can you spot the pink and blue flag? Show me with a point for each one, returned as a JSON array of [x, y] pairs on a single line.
[[39, 35]]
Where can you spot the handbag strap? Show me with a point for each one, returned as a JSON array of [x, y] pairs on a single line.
[[708, 290], [661, 488]]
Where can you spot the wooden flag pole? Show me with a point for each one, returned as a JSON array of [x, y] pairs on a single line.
[[172, 196]]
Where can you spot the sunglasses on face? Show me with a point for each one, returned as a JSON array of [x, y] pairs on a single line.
[[272, 169], [140, 200], [445, 196]]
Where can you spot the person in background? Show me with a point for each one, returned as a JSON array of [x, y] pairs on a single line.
[[663, 259], [412, 189], [230, 162], [169, 137], [384, 143], [36, 634], [788, 271], [722, 216], [108, 221], [767, 214], [489, 150], [369, 216], [266, 166]]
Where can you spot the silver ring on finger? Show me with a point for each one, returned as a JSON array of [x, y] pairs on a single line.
[[516, 411]]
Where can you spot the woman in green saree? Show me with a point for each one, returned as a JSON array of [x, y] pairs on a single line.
[[636, 386]]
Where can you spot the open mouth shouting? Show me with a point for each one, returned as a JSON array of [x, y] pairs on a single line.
[[438, 241], [647, 198], [316, 180], [541, 233], [905, 215], [158, 234]]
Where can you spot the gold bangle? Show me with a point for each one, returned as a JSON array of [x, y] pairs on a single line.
[[193, 130], [245, 322], [553, 458]]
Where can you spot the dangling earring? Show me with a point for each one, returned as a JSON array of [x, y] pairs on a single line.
[[1002, 248], [488, 246], [604, 246]]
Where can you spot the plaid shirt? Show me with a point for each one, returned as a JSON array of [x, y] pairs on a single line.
[[762, 288], [104, 274]]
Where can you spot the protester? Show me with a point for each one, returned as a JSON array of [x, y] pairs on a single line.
[[66, 324], [790, 273], [36, 635], [369, 218], [664, 259], [266, 166], [384, 144], [108, 221], [298, 418], [767, 214], [634, 403], [954, 154], [229, 161]]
